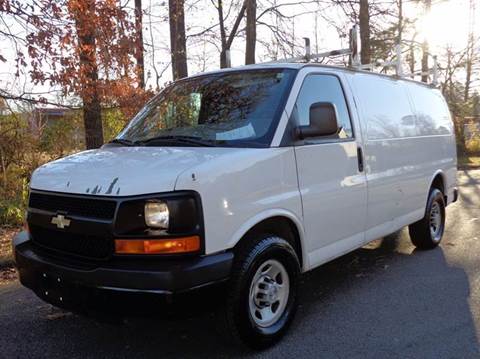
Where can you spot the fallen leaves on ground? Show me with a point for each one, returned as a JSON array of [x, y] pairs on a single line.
[[7, 272], [6, 235], [7, 275], [58, 314]]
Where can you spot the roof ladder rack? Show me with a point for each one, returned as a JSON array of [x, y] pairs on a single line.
[[308, 56], [354, 58]]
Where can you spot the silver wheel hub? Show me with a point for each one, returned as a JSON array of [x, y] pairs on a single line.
[[435, 221], [269, 293]]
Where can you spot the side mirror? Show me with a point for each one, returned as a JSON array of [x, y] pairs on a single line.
[[323, 121]]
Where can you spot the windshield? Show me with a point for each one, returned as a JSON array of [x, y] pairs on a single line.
[[239, 109]]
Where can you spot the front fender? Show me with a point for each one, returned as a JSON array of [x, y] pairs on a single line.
[[260, 217], [242, 188]]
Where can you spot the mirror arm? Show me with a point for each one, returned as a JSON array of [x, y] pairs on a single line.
[[300, 132], [303, 132]]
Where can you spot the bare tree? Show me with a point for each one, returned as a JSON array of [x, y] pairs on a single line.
[[227, 41], [470, 52], [425, 69], [251, 31], [411, 54], [156, 14], [400, 22], [178, 42], [140, 66], [88, 67], [379, 24], [364, 22], [277, 18]]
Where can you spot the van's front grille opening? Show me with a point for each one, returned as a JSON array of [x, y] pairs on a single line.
[[102, 209], [99, 211], [82, 245]]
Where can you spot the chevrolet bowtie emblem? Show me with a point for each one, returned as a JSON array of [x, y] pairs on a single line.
[[60, 221]]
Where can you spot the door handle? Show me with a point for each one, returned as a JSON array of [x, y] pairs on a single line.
[[360, 159]]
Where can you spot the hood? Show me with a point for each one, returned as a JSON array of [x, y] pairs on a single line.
[[122, 171]]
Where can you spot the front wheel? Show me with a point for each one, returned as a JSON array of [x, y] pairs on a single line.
[[428, 232], [262, 296]]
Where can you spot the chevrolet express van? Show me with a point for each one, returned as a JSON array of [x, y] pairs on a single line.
[[246, 178]]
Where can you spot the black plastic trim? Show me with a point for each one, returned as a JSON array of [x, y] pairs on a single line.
[[108, 228], [161, 277]]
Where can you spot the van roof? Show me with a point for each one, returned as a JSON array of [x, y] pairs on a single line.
[[300, 65]]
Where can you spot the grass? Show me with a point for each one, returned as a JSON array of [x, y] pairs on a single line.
[[469, 162]]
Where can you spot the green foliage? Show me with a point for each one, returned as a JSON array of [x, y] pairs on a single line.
[[26, 142], [473, 146], [63, 136], [113, 122], [18, 158], [12, 209]]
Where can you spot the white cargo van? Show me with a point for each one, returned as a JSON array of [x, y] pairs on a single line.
[[243, 178]]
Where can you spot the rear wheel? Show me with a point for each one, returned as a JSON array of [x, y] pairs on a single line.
[[428, 232], [262, 296]]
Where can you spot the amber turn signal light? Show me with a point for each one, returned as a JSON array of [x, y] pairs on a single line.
[[158, 246]]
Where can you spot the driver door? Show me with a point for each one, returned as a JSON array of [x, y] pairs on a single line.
[[331, 178]]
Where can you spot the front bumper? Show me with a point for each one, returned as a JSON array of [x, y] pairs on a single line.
[[119, 284]]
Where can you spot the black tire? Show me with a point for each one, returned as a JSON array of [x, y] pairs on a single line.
[[252, 258], [424, 234]]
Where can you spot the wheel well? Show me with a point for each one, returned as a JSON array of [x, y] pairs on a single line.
[[280, 226], [439, 183]]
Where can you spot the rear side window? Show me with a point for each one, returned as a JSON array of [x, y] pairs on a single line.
[[432, 114], [323, 88], [385, 106]]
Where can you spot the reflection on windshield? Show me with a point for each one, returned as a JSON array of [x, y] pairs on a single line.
[[234, 109]]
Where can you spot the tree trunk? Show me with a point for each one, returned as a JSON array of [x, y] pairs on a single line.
[[448, 68], [459, 125], [92, 115], [400, 21], [227, 42], [4, 167], [223, 36], [251, 31], [470, 53], [92, 118], [412, 58], [364, 22], [224, 61], [468, 76], [178, 41], [425, 68], [139, 44]]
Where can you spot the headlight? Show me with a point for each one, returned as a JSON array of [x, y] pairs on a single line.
[[157, 214], [176, 214]]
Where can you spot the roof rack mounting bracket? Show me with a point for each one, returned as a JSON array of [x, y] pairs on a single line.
[[354, 51]]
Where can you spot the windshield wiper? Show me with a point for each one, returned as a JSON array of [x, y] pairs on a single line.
[[122, 141], [198, 141]]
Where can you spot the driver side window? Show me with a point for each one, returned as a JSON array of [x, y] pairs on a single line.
[[323, 88]]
